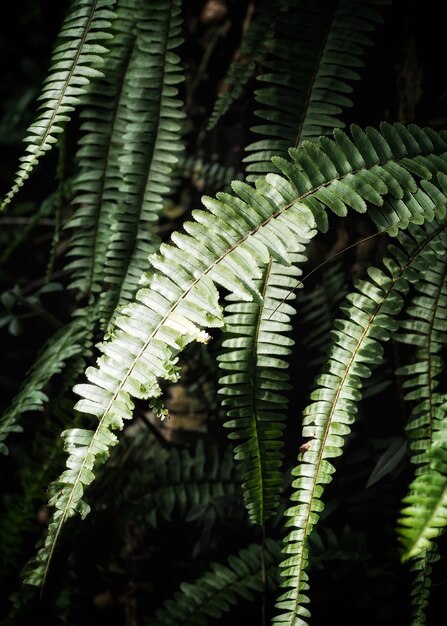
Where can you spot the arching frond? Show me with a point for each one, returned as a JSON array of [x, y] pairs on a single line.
[[255, 43], [254, 362], [65, 344], [370, 312], [225, 246], [316, 54], [75, 61], [221, 587]]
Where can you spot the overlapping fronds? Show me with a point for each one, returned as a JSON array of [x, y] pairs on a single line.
[[316, 54], [65, 344], [206, 175], [256, 347], [98, 185], [256, 41], [174, 481], [75, 61], [424, 327], [370, 311], [225, 246], [128, 150], [221, 587], [151, 138]]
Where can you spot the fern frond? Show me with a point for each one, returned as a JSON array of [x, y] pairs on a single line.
[[370, 312], [75, 62], [425, 328], [254, 46], [65, 344], [151, 137], [425, 515], [209, 175], [221, 587], [225, 246], [98, 186], [256, 349], [176, 480], [316, 54]]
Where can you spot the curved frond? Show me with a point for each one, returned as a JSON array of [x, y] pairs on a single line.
[[225, 246], [66, 343], [75, 62], [221, 587], [370, 311], [253, 388], [316, 55], [255, 43]]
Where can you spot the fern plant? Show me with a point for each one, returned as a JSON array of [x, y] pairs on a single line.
[[209, 303]]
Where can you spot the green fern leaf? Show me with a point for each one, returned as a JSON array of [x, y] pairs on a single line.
[[370, 312], [425, 515], [256, 346], [226, 246], [316, 54], [254, 46], [75, 62], [66, 343], [175, 481], [221, 587], [97, 186]]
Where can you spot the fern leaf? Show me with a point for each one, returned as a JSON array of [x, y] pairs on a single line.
[[221, 587], [425, 515], [316, 54], [75, 62], [66, 343], [254, 46], [256, 346], [175, 481], [225, 246], [151, 136], [97, 186], [370, 312], [424, 327]]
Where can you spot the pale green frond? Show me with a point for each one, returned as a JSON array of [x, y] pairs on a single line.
[[370, 311], [221, 587], [226, 246], [78, 55]]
